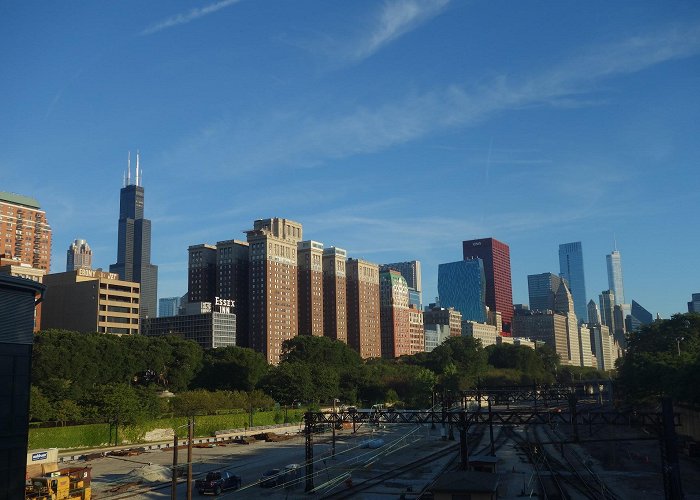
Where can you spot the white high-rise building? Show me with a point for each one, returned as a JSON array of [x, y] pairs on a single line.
[[615, 276]]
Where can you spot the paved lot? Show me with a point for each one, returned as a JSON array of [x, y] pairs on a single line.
[[402, 443]]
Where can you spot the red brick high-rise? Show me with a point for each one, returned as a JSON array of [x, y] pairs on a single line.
[[310, 287], [25, 235], [499, 287], [273, 285], [335, 304]]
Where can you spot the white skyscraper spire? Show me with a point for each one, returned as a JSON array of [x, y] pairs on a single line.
[[128, 170], [137, 167]]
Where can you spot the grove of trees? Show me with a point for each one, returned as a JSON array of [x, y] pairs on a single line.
[[78, 377], [663, 359]]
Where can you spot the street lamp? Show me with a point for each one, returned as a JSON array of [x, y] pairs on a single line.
[[678, 344], [334, 420]]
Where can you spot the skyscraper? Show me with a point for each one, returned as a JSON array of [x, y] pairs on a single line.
[[593, 313], [571, 268], [25, 235], [78, 255], [579, 339], [335, 303], [232, 282], [615, 276], [221, 271], [273, 284], [607, 310], [411, 271], [364, 332], [694, 304], [134, 243], [499, 288], [310, 283], [394, 316], [541, 289], [168, 306], [462, 285], [201, 273], [639, 312]]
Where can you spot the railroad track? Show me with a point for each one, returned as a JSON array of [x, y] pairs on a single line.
[[473, 439]]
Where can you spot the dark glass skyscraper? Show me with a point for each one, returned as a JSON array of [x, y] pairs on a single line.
[[134, 245], [499, 288], [462, 285], [571, 268], [541, 290]]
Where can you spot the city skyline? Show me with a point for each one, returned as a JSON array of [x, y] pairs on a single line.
[[306, 111]]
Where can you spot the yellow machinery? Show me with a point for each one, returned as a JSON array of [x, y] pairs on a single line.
[[64, 484]]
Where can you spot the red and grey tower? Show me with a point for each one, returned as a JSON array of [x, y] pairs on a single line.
[[499, 287]]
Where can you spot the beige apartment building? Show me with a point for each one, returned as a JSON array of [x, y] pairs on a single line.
[[549, 327], [335, 306], [364, 334], [444, 316], [416, 329], [25, 235], [310, 266], [87, 300], [487, 334], [273, 284]]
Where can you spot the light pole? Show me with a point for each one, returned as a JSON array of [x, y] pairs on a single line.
[[333, 422], [678, 344]]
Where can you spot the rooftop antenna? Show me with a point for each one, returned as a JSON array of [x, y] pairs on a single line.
[[137, 167], [615, 241], [128, 175]]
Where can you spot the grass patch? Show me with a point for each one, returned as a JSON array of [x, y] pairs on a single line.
[[97, 435]]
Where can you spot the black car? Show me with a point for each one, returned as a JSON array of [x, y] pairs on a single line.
[[271, 478], [216, 482]]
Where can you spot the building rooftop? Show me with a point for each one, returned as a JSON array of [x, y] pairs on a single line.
[[18, 199]]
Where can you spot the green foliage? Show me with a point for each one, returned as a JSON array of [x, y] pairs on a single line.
[[319, 351], [231, 368], [522, 359], [458, 362], [39, 406], [289, 382], [66, 410], [663, 358], [68, 365]]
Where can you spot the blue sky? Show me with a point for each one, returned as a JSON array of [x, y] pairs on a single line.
[[392, 129]]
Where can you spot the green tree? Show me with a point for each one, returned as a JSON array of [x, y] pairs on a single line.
[[120, 405], [197, 402], [66, 410], [231, 368], [662, 358], [289, 382], [184, 362], [39, 405]]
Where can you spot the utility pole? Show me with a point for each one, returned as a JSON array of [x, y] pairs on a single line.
[[190, 435], [309, 446], [173, 491]]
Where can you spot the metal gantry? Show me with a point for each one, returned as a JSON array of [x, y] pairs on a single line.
[[473, 407]]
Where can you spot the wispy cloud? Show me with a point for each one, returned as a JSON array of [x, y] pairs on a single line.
[[395, 19], [302, 139], [185, 18]]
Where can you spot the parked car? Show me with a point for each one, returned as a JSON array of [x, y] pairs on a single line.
[[271, 478], [291, 474], [216, 482], [288, 476]]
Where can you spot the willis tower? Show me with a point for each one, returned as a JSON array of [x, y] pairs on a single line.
[[134, 243]]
